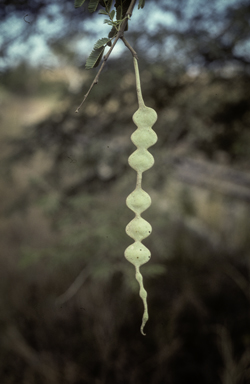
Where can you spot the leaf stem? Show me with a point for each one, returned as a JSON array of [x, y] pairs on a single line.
[[119, 35]]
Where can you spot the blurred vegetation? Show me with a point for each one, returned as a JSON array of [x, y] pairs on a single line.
[[69, 306]]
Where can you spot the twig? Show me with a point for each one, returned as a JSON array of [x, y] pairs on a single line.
[[77, 284], [239, 279], [74, 287], [119, 35], [95, 81]]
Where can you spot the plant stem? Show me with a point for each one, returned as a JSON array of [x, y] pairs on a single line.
[[138, 85], [119, 35], [129, 47]]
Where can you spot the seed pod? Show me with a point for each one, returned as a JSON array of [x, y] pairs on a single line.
[[138, 201]]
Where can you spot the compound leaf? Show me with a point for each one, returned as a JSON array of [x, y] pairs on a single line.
[[113, 32], [93, 5], [108, 4], [94, 58], [78, 3], [101, 42], [112, 14], [102, 12], [119, 13], [141, 4], [107, 21]]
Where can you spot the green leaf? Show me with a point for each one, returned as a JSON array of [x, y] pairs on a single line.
[[141, 4], [109, 4], [78, 3], [94, 58], [124, 4], [112, 33], [112, 14], [121, 9], [101, 42], [107, 21], [102, 12], [119, 13], [93, 4]]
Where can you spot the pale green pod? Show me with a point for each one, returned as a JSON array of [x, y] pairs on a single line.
[[139, 200], [144, 138], [144, 117], [141, 160], [138, 228], [137, 254]]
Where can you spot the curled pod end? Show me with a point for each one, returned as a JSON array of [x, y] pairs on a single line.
[[144, 320], [143, 295]]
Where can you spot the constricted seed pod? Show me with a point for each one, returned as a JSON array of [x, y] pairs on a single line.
[[138, 201]]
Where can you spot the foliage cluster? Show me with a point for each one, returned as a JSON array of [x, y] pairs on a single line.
[[197, 33]]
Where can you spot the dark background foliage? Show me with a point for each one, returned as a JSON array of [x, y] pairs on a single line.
[[69, 305]]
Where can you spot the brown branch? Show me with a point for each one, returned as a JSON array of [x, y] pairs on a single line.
[[119, 35]]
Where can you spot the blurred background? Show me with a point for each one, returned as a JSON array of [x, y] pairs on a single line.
[[70, 310]]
